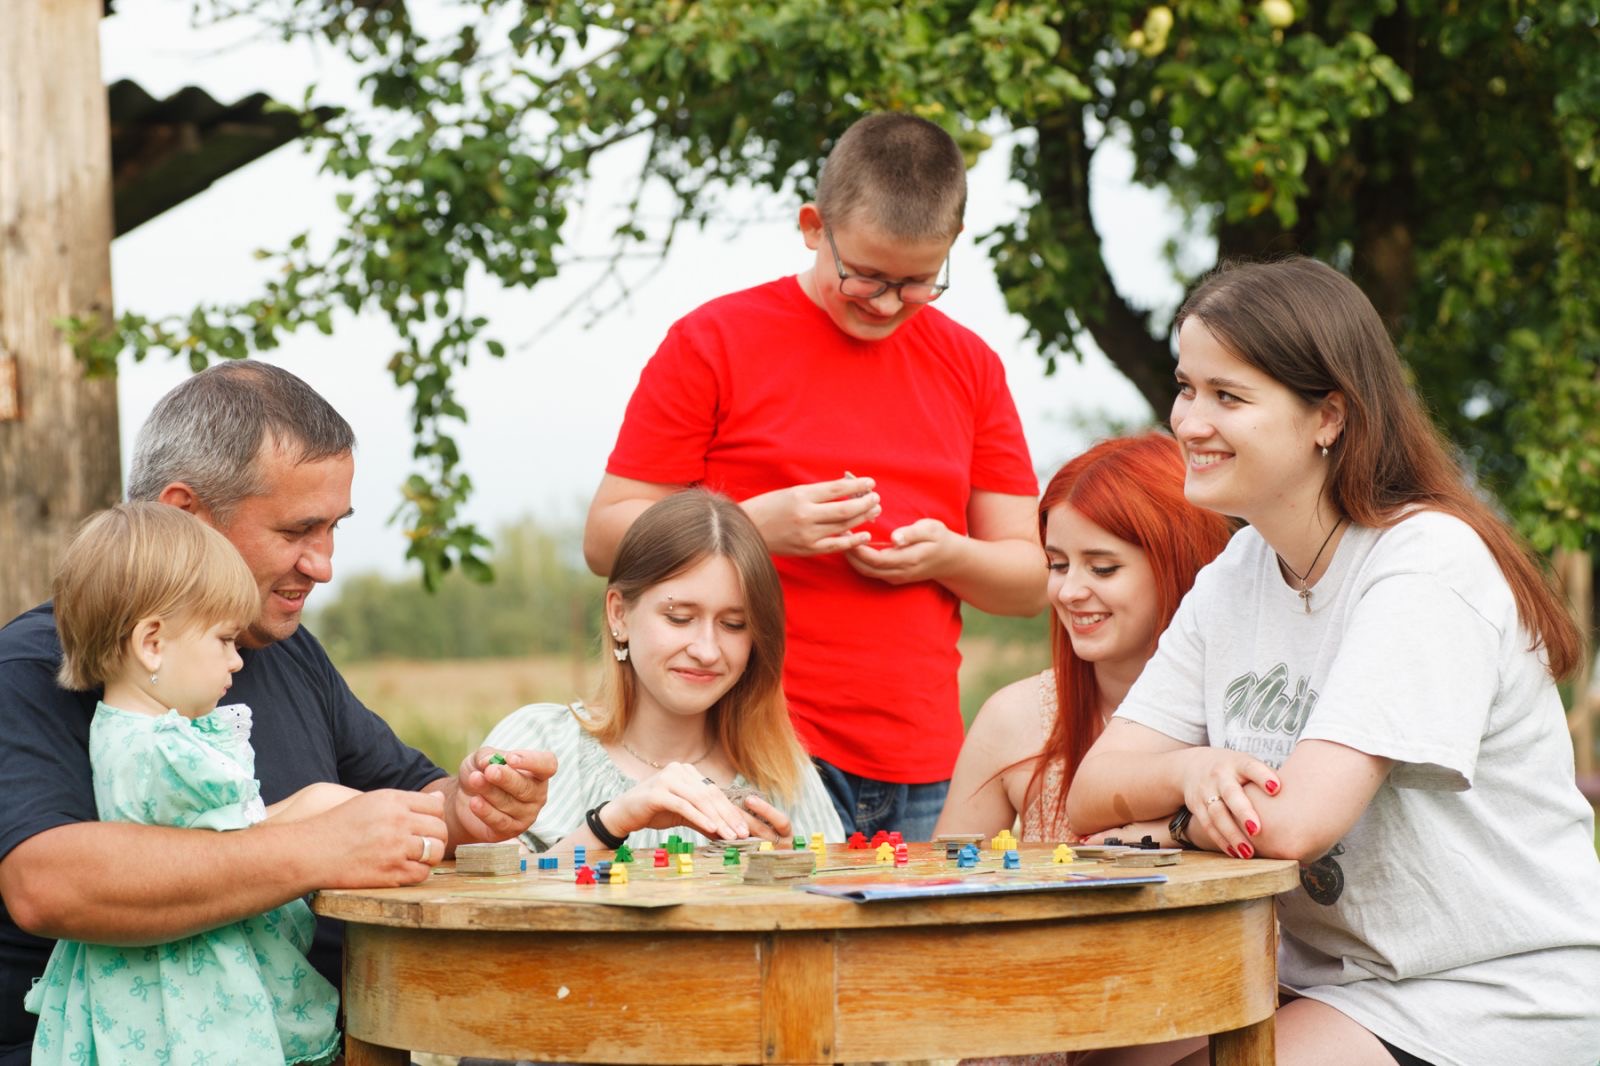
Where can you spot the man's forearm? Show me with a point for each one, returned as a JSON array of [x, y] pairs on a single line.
[[118, 883]]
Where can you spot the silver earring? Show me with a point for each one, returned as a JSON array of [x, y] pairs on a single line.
[[621, 652], [154, 679], [1324, 451]]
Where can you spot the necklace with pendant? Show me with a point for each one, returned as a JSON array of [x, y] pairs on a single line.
[[651, 762], [1305, 588]]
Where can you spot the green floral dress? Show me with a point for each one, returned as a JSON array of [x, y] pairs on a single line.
[[241, 993]]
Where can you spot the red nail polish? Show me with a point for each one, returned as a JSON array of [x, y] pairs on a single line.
[[1252, 828], [1231, 853], [1272, 788], [1245, 851]]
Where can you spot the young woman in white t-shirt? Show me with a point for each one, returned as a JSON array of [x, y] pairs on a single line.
[[1364, 681]]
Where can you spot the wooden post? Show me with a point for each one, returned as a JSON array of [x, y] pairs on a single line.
[[58, 431], [1575, 571]]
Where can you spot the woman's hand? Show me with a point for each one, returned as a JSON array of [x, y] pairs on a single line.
[[1213, 789], [678, 795], [769, 823]]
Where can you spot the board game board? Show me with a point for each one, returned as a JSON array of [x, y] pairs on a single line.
[[842, 873]]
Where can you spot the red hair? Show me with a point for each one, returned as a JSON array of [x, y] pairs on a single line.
[[1131, 487]]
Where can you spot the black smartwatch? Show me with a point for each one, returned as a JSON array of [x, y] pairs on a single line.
[[1178, 829], [606, 837]]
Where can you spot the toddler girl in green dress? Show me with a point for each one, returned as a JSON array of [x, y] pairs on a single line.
[[148, 602]]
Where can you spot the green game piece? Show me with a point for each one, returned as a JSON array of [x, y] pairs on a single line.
[[799, 843], [497, 759], [624, 853], [730, 856]]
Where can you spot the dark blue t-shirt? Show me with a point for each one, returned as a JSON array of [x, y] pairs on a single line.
[[307, 727]]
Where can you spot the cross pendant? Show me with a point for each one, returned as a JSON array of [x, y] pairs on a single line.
[[1305, 598]]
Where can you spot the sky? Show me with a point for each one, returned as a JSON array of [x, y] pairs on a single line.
[[543, 420]]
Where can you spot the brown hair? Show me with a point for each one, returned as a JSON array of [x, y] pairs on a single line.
[[751, 720], [136, 561], [1311, 328], [1131, 487], [899, 172]]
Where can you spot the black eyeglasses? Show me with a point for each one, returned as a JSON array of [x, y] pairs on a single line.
[[859, 287]]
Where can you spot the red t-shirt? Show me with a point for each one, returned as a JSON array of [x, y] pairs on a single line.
[[759, 390]]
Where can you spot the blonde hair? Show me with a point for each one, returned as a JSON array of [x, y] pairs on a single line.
[[136, 561], [751, 720]]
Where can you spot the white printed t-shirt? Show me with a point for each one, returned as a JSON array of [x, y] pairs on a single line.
[[1459, 918]]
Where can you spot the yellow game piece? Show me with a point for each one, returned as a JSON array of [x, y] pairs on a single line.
[[685, 862], [1064, 854], [619, 874], [766, 845], [885, 854], [1004, 842], [817, 843]]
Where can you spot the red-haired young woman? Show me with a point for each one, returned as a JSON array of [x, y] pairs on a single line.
[[1123, 546]]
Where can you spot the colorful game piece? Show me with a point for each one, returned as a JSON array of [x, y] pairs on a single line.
[[902, 856], [766, 845], [730, 856], [580, 855], [885, 853], [967, 860], [585, 876], [880, 837], [1004, 842], [895, 838], [549, 862], [524, 862], [817, 843], [799, 843], [1012, 861], [661, 856], [685, 862], [857, 842], [619, 875], [1063, 855], [497, 759], [624, 853]]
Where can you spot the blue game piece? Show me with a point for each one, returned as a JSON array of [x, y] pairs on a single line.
[[580, 855], [549, 862], [966, 861], [524, 865], [970, 851], [1013, 861]]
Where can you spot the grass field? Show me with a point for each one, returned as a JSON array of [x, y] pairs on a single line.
[[446, 707]]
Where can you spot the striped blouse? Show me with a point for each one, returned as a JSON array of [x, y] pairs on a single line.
[[586, 777]]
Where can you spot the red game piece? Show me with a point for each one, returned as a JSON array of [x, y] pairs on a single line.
[[901, 858], [880, 837], [585, 875], [661, 856], [895, 838], [857, 842]]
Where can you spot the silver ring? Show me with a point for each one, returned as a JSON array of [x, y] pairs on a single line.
[[1212, 799], [707, 781], [427, 848]]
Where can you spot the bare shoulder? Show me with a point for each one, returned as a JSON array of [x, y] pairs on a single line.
[[1010, 717]]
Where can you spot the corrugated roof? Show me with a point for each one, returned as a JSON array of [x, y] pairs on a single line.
[[165, 151]]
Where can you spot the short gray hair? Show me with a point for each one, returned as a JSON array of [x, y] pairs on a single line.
[[209, 431]]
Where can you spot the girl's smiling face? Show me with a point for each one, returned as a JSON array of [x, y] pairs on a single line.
[[1250, 444], [1102, 589]]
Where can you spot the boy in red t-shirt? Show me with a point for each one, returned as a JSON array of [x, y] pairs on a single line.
[[875, 445]]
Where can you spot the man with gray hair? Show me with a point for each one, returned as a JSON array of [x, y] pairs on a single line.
[[256, 453]]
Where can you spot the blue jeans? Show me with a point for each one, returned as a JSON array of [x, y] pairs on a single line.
[[866, 806]]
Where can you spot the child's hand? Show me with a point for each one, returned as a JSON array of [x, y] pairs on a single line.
[[815, 519]]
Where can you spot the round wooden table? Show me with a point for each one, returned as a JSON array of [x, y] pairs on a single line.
[[776, 975]]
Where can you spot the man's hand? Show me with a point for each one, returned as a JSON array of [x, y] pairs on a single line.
[[815, 519], [495, 800], [375, 840]]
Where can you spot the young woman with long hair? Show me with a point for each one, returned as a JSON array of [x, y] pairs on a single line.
[[691, 733], [1122, 546], [1364, 681]]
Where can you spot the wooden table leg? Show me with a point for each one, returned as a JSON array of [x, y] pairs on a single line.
[[361, 1053], [1251, 1045]]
